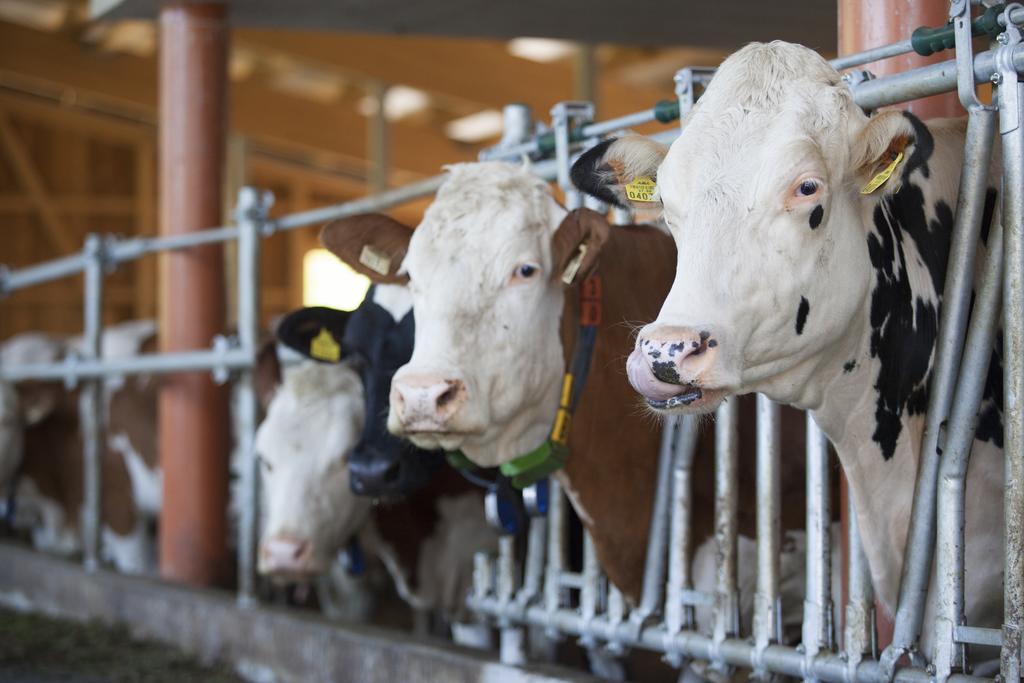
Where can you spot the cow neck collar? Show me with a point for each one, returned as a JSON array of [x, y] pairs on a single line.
[[552, 455]]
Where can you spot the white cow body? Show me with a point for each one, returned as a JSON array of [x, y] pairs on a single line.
[[793, 283]]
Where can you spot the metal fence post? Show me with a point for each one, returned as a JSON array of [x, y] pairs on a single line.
[[859, 625], [90, 405], [726, 612], [251, 215], [1011, 96], [767, 608], [817, 627], [564, 116]]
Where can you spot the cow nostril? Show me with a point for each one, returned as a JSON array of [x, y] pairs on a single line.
[[300, 549], [392, 474], [448, 396]]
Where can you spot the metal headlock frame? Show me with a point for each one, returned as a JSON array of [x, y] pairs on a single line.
[[664, 617]]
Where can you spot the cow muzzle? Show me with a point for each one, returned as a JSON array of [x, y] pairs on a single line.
[[287, 558], [427, 403], [669, 365]]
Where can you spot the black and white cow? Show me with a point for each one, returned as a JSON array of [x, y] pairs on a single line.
[[801, 278]]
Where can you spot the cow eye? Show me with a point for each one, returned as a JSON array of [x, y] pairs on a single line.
[[807, 188], [524, 271]]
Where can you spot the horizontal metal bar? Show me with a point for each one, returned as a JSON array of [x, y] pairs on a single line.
[[153, 363], [926, 81], [570, 580], [119, 251], [13, 280], [873, 55], [788, 661], [975, 635]]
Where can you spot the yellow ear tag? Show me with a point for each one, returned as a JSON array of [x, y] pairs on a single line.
[[573, 267], [323, 347], [642, 189], [882, 176], [375, 260]]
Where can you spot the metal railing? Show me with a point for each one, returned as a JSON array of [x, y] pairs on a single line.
[[540, 593], [664, 620]]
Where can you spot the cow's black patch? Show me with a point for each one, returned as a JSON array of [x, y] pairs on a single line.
[[849, 366], [904, 322], [675, 348], [801, 314], [665, 371], [712, 343], [589, 174], [816, 216]]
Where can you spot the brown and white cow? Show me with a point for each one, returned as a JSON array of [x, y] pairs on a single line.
[[495, 326], [800, 278], [315, 414], [40, 432]]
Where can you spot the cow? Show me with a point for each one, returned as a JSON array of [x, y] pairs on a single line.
[[813, 243], [495, 328], [43, 452], [323, 447]]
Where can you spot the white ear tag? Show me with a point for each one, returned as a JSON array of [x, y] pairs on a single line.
[[573, 267], [375, 260]]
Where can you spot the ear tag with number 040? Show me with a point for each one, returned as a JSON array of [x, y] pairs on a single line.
[[323, 347], [641, 189], [882, 175]]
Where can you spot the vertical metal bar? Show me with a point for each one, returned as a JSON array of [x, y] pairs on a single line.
[[591, 579], [726, 611], [556, 550], [250, 214], [534, 565], [563, 116], [952, 331], [769, 538], [654, 563], [512, 645], [677, 615], [1011, 96], [90, 405], [859, 626], [949, 562], [378, 142], [817, 626]]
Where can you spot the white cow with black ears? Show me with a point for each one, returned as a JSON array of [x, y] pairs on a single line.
[[797, 279]]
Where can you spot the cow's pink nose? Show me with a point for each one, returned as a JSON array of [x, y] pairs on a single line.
[[426, 403], [667, 359], [286, 556]]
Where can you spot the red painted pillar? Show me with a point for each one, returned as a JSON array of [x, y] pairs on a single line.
[[194, 424], [865, 24], [872, 23]]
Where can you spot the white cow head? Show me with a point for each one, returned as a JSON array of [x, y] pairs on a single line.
[[313, 420], [485, 272], [762, 193]]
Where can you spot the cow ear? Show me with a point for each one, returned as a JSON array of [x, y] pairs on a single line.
[[623, 172], [880, 153], [371, 243], [315, 332], [577, 244], [267, 374]]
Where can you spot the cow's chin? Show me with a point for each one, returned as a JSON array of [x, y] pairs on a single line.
[[447, 441], [692, 400]]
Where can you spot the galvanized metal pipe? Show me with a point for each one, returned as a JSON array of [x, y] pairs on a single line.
[[73, 369], [731, 651], [23, 278], [726, 609], [956, 299], [533, 573], [859, 625], [591, 580], [1011, 96], [657, 538], [90, 406], [556, 546], [767, 607], [952, 488], [250, 214], [678, 615], [817, 626], [873, 55]]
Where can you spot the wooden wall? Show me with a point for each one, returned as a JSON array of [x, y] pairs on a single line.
[[65, 172]]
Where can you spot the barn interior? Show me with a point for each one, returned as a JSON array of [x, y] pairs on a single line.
[[128, 124]]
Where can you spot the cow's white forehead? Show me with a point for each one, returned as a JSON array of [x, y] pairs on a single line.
[[316, 414], [767, 106], [395, 299]]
